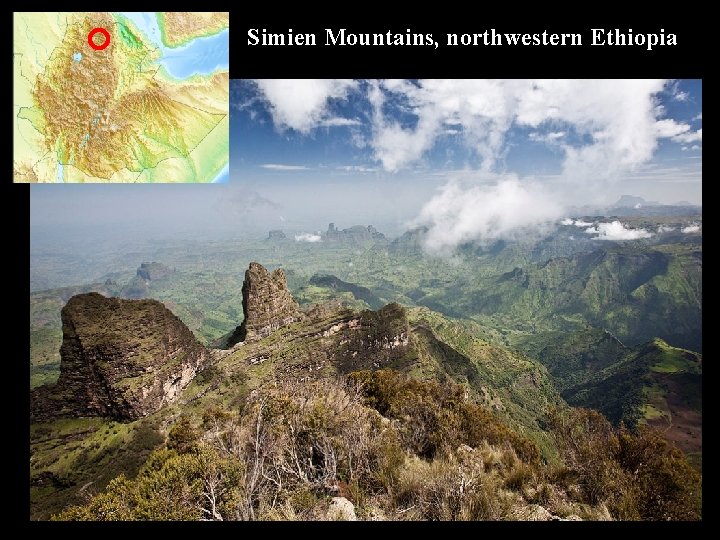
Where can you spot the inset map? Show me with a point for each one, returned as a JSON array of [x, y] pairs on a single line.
[[121, 97]]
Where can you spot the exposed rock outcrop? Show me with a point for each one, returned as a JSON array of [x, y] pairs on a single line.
[[120, 358], [380, 339], [151, 271], [357, 234], [267, 304], [341, 509], [276, 234]]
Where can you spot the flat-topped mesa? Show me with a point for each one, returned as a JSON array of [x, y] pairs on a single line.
[[267, 304], [123, 358], [357, 234], [152, 271]]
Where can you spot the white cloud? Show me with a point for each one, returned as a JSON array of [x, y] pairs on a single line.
[[356, 168], [466, 212], [698, 117], [667, 127], [665, 229], [617, 231], [338, 122], [689, 137], [604, 130], [550, 137], [301, 104], [616, 117], [308, 237], [691, 228], [280, 167], [576, 222]]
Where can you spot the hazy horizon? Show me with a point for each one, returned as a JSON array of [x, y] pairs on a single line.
[[471, 160]]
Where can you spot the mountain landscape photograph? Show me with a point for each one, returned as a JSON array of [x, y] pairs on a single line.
[[412, 300]]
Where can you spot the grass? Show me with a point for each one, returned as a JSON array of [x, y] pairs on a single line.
[[674, 360], [650, 412]]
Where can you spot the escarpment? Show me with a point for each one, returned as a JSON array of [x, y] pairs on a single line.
[[119, 358]]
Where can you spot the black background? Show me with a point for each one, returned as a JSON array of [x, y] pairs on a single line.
[[685, 60]]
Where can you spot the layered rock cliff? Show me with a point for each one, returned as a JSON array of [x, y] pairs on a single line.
[[267, 304], [120, 358]]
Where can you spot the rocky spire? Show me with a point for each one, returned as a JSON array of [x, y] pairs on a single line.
[[267, 304]]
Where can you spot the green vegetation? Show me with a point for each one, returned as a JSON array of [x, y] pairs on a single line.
[[436, 455], [638, 385], [473, 422], [638, 475]]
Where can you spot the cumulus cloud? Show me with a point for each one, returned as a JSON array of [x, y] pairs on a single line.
[[614, 125], [670, 128], [576, 222], [280, 167], [617, 118], [301, 104], [463, 212], [617, 231], [665, 229], [603, 129], [691, 228], [308, 237], [689, 137]]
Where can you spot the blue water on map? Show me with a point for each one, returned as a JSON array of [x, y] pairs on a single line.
[[223, 176], [60, 173], [77, 57], [202, 55]]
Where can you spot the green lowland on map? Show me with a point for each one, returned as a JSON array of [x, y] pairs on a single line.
[[149, 105]]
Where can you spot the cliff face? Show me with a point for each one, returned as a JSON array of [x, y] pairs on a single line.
[[357, 234], [267, 304], [151, 271], [122, 358]]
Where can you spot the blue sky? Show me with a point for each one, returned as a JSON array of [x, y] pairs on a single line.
[[293, 131], [469, 159]]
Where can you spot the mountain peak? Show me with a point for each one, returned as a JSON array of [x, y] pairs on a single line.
[[120, 358], [267, 304]]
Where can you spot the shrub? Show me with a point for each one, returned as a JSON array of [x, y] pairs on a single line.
[[638, 475], [436, 418], [182, 436]]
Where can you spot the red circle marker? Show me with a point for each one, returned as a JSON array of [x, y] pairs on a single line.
[[99, 31]]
